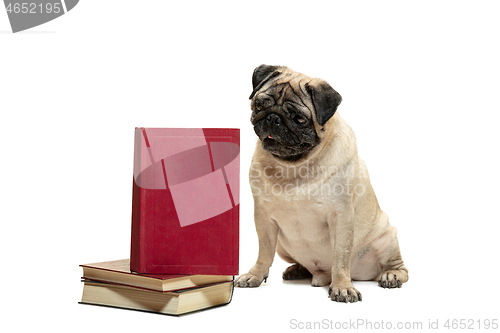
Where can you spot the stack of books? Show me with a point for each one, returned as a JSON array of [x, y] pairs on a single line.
[[185, 225], [112, 284]]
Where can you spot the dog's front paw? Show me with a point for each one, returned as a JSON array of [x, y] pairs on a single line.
[[248, 280], [344, 293]]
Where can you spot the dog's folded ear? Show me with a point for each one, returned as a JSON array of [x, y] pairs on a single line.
[[325, 99], [262, 74]]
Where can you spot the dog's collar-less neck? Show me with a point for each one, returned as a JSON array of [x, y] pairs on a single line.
[[293, 158]]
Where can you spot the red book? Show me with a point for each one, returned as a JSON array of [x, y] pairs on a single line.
[[185, 205]]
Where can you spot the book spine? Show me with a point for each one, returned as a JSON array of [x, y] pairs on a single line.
[[136, 253], [138, 219]]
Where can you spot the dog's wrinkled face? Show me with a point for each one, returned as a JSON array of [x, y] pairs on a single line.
[[287, 107], [283, 123]]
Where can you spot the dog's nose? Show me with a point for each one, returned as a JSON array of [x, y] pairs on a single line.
[[273, 119]]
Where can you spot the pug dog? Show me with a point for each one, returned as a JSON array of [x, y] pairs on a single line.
[[314, 204]]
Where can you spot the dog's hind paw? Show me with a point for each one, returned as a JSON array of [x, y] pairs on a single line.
[[296, 272], [391, 279]]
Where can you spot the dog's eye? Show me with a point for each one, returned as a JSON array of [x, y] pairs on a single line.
[[299, 120]]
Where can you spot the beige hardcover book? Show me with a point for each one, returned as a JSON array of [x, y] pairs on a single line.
[[118, 272], [171, 303]]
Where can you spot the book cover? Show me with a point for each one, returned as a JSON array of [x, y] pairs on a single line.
[[118, 272], [185, 205]]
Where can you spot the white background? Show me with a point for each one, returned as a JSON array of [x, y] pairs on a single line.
[[420, 83]]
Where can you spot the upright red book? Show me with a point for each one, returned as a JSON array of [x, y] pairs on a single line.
[[185, 205]]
